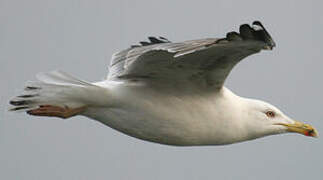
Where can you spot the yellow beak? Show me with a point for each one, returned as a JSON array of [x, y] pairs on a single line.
[[301, 128]]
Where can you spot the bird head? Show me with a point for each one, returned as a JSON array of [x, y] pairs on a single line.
[[265, 119]]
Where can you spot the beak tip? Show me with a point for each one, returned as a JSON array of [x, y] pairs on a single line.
[[312, 133], [301, 128], [315, 134]]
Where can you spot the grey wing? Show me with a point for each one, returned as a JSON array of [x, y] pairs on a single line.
[[202, 63]]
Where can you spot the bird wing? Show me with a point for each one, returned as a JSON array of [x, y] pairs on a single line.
[[202, 63]]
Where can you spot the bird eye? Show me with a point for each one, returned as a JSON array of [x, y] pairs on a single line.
[[270, 114]]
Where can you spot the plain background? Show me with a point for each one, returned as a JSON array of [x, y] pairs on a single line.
[[79, 36]]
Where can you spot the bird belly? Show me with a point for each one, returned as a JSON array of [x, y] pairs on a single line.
[[158, 128], [173, 122]]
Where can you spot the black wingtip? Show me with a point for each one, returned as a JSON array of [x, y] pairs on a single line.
[[246, 31], [155, 40], [19, 108], [257, 23], [20, 103], [255, 32], [28, 88], [263, 35], [144, 43], [152, 40], [27, 95], [233, 36]]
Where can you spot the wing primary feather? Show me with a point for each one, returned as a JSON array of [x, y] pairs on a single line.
[[144, 43], [155, 40], [263, 35], [246, 32], [165, 39], [233, 36], [152, 41]]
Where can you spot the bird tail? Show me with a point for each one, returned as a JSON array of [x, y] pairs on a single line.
[[58, 89]]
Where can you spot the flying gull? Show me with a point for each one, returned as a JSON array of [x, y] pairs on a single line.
[[168, 93]]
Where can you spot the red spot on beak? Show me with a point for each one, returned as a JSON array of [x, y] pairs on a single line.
[[307, 133]]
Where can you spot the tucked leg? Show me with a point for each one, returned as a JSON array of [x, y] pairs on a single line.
[[56, 111]]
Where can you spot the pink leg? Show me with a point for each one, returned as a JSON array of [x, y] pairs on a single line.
[[56, 111]]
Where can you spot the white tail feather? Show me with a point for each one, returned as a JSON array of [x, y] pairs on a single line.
[[59, 89]]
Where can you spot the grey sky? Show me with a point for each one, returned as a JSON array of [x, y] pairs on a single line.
[[80, 36]]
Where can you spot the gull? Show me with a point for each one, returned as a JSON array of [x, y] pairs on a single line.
[[168, 93]]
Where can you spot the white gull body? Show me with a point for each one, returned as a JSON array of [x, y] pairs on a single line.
[[203, 119], [168, 93]]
